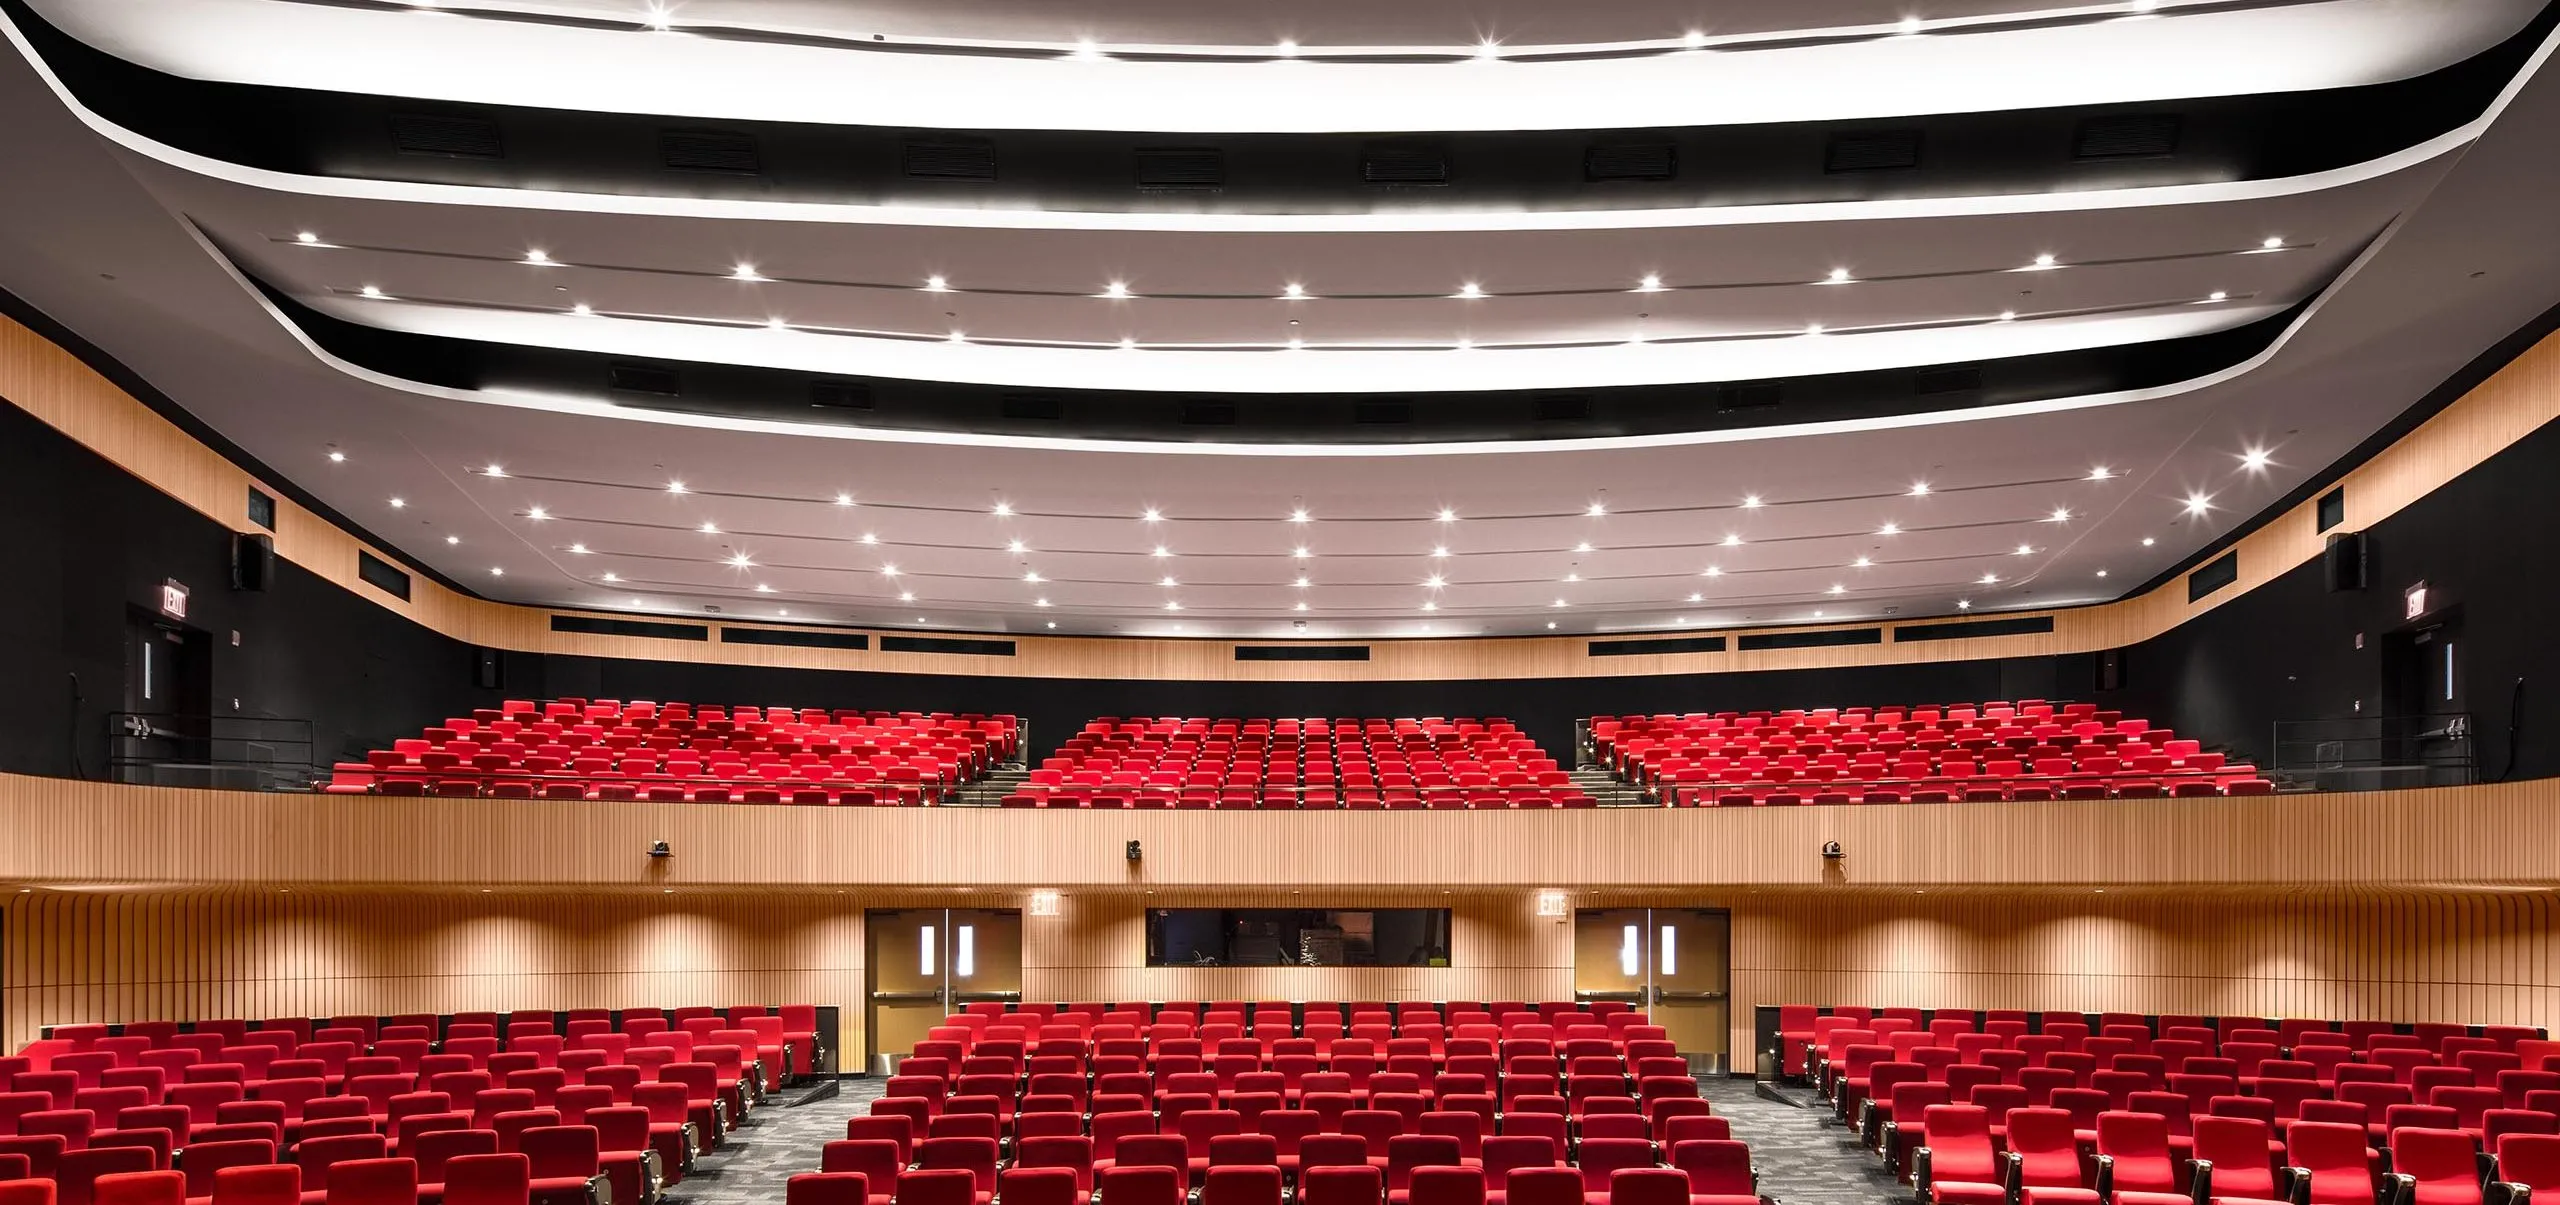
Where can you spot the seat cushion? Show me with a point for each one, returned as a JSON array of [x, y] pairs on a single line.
[[1959, 1192]]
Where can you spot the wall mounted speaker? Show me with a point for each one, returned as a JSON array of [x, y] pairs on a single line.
[[2111, 669], [2342, 563], [253, 561], [486, 670]]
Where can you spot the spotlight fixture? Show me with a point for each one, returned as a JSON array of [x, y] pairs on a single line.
[[1470, 291], [762, 588], [1004, 510], [2102, 573], [337, 457], [1430, 606], [741, 561], [536, 513], [675, 487], [745, 271], [844, 499], [1559, 602], [2254, 458], [1573, 577], [1052, 623], [2059, 515], [2148, 541], [888, 571], [1863, 563], [936, 284], [1990, 579], [1694, 39], [1584, 546], [1910, 25], [1697, 597], [2273, 242], [1302, 583], [2026, 550], [2008, 315], [1299, 607], [1016, 546], [2197, 504], [1732, 539], [1838, 276], [2101, 473], [908, 596], [583, 310], [870, 537], [1919, 489], [1435, 581], [1889, 529], [373, 291], [1171, 605], [1813, 328], [1302, 552], [1447, 515], [579, 549], [1151, 515], [1650, 284], [539, 258], [307, 237], [1596, 510], [1713, 571], [1298, 514], [1751, 502], [1293, 291], [615, 577], [709, 529], [1039, 602], [2218, 295], [453, 539], [1837, 588], [2044, 260], [1032, 577], [959, 336], [1488, 50], [1162, 552], [1168, 582], [1117, 290], [1442, 550], [1964, 604], [495, 571], [398, 503]]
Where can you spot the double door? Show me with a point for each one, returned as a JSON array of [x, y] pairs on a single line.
[[1673, 964], [925, 963]]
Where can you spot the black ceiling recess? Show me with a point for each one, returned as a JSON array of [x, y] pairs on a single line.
[[2205, 140], [449, 135], [739, 391]]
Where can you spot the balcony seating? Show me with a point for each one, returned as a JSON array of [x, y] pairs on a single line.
[[1299, 763], [680, 752], [1957, 752]]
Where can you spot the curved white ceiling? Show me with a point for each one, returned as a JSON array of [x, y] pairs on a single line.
[[2146, 52], [1209, 311]]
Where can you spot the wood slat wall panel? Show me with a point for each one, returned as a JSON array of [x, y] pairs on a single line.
[[116, 956], [2475, 957], [86, 833], [50, 384]]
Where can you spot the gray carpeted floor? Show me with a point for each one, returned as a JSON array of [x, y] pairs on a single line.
[[1804, 1158]]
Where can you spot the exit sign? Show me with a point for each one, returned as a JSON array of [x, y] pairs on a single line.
[[173, 598], [2414, 601]]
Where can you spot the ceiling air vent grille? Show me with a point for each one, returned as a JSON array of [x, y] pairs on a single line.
[[1207, 412], [1873, 151], [1404, 165], [1563, 408], [2142, 136], [949, 159], [708, 151], [640, 378], [1954, 378], [840, 395], [1032, 406], [1754, 395], [451, 137], [1630, 161], [1381, 410], [1180, 169]]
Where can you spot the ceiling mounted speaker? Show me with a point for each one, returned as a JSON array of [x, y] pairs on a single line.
[[1873, 151], [1630, 161], [948, 159], [452, 137], [708, 151], [1180, 169], [1404, 165], [2138, 136]]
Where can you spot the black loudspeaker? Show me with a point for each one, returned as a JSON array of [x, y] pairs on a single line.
[[2111, 669], [2342, 564], [486, 669], [253, 561]]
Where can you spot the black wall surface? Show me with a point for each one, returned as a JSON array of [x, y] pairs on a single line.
[[90, 543], [2487, 545]]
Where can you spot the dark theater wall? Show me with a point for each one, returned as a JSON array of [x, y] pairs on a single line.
[[2487, 546]]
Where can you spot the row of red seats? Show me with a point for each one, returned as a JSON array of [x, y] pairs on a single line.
[[1290, 764], [1972, 791], [1963, 1155], [546, 1173], [1326, 1021], [1804, 1025], [611, 750]]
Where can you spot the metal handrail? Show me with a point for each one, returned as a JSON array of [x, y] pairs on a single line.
[[2376, 752], [264, 753]]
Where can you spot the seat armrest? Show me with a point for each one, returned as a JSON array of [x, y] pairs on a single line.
[[2295, 1185], [1920, 1175], [2106, 1180], [2200, 1180], [2501, 1192], [2396, 1188]]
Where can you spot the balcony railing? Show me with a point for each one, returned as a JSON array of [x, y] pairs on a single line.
[[240, 753], [2371, 753]]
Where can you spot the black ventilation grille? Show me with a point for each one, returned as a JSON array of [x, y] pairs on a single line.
[[1180, 169], [840, 395], [1302, 652], [1753, 395], [1873, 151], [949, 159], [946, 644], [2220, 572], [1661, 644], [804, 640], [1404, 165], [1809, 640], [640, 378], [1381, 410], [588, 625], [1954, 378], [1031, 407], [1967, 628], [2143, 136], [381, 575], [708, 151], [1563, 408], [453, 137], [1206, 412], [2332, 510], [1631, 161]]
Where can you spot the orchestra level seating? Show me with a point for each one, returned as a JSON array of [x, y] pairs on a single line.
[[568, 1108], [1299, 763], [680, 752], [1414, 1103], [1957, 752]]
